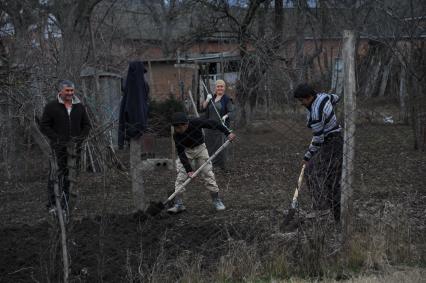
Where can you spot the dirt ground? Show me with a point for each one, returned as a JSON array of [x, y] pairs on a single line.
[[109, 243]]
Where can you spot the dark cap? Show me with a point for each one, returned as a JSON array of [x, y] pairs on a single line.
[[303, 91], [179, 118]]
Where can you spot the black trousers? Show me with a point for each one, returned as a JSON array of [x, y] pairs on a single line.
[[324, 173], [63, 182]]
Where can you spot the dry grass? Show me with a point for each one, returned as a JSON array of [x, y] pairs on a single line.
[[377, 246], [384, 240], [240, 263], [406, 275]]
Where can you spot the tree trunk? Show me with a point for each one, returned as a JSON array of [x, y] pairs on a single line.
[[372, 83], [385, 77], [404, 58], [278, 21], [74, 20], [243, 85], [10, 141], [403, 94], [298, 65]]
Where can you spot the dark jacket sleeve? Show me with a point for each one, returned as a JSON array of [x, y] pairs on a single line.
[[210, 124], [46, 125], [182, 156], [85, 124]]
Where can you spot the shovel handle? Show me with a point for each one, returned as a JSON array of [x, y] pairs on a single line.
[[188, 180], [299, 184]]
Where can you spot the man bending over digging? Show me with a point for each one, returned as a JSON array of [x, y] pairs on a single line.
[[191, 150], [325, 153]]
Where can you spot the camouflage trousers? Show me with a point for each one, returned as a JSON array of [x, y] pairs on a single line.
[[197, 156]]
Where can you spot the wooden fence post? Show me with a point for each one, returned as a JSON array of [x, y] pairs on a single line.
[[349, 132], [136, 173], [59, 211]]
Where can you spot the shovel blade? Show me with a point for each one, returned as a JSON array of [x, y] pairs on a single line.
[[155, 208]]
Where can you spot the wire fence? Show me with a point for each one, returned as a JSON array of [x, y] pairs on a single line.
[[256, 178]]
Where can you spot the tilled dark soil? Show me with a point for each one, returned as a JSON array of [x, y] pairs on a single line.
[[108, 242]]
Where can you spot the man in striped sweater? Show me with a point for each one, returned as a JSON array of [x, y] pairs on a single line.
[[323, 159]]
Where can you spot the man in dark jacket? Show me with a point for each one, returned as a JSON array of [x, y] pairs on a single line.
[[190, 147], [64, 120]]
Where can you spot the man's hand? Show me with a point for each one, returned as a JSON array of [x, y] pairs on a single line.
[[190, 174], [209, 97], [232, 137], [225, 117], [305, 163]]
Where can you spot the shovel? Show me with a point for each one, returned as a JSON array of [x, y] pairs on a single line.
[[294, 202], [155, 208]]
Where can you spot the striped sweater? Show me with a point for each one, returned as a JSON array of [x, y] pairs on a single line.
[[322, 120]]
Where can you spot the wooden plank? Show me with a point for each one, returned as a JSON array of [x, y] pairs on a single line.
[[189, 66]]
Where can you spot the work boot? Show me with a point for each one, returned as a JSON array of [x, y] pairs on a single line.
[[178, 207], [218, 204]]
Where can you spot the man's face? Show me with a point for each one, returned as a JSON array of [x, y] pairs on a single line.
[[67, 93], [306, 101], [220, 89], [181, 128]]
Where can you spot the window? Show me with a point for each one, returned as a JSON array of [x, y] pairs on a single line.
[[289, 3], [312, 3], [292, 3]]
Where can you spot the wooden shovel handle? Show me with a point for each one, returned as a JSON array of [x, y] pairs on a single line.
[[188, 180], [299, 185]]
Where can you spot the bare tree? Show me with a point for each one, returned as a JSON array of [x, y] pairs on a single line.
[[397, 28], [73, 19]]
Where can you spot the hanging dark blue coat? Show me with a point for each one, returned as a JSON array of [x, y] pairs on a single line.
[[133, 118]]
